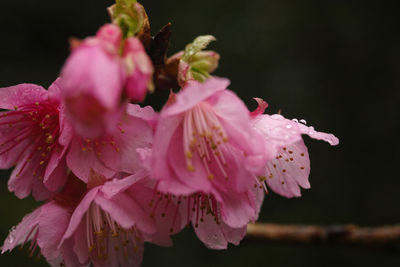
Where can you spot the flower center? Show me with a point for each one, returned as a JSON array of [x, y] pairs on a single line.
[[204, 136], [31, 132], [104, 233]]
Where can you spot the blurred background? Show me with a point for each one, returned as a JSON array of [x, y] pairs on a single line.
[[332, 63]]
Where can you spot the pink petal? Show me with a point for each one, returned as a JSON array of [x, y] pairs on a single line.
[[166, 129], [327, 137], [66, 128], [134, 133], [236, 121], [146, 113], [256, 196], [193, 93], [277, 130], [116, 186], [53, 222], [289, 171], [262, 106], [164, 216], [23, 231], [55, 91], [236, 210], [79, 244], [210, 233], [22, 94], [68, 255], [127, 212], [81, 161], [56, 171], [111, 34], [78, 214], [234, 235], [84, 72], [23, 181]]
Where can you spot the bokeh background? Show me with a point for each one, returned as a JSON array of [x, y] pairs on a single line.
[[333, 63]]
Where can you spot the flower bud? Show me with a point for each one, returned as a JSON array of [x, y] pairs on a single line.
[[139, 70], [93, 78], [196, 64]]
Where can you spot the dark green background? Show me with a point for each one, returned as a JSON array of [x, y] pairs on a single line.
[[333, 63]]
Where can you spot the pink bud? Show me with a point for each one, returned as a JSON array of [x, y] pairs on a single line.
[[111, 34], [92, 84], [139, 69]]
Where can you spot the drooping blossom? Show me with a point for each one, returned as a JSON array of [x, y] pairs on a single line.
[[206, 150], [139, 70], [104, 223], [112, 221], [93, 80], [114, 151], [30, 134], [45, 227], [289, 169], [204, 142]]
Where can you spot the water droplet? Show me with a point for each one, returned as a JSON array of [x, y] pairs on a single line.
[[295, 120], [288, 126], [303, 121], [114, 190], [11, 237]]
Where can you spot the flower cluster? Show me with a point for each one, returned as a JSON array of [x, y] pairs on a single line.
[[114, 175]]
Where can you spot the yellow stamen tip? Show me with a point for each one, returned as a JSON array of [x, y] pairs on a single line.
[[190, 168]]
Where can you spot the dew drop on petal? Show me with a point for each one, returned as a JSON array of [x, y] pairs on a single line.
[[295, 120], [288, 126], [114, 190], [11, 237], [303, 121]]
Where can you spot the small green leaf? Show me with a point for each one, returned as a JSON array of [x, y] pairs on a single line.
[[198, 44]]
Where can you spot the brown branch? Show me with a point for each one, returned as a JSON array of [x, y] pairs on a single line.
[[337, 234]]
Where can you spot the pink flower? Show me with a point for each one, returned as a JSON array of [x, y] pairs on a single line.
[[205, 152], [45, 227], [115, 151], [105, 224], [139, 69], [204, 142], [30, 134], [112, 221], [290, 167], [93, 79]]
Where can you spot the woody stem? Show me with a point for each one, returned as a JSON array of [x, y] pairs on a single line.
[[335, 234]]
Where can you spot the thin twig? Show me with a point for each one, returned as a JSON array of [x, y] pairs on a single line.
[[336, 234]]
